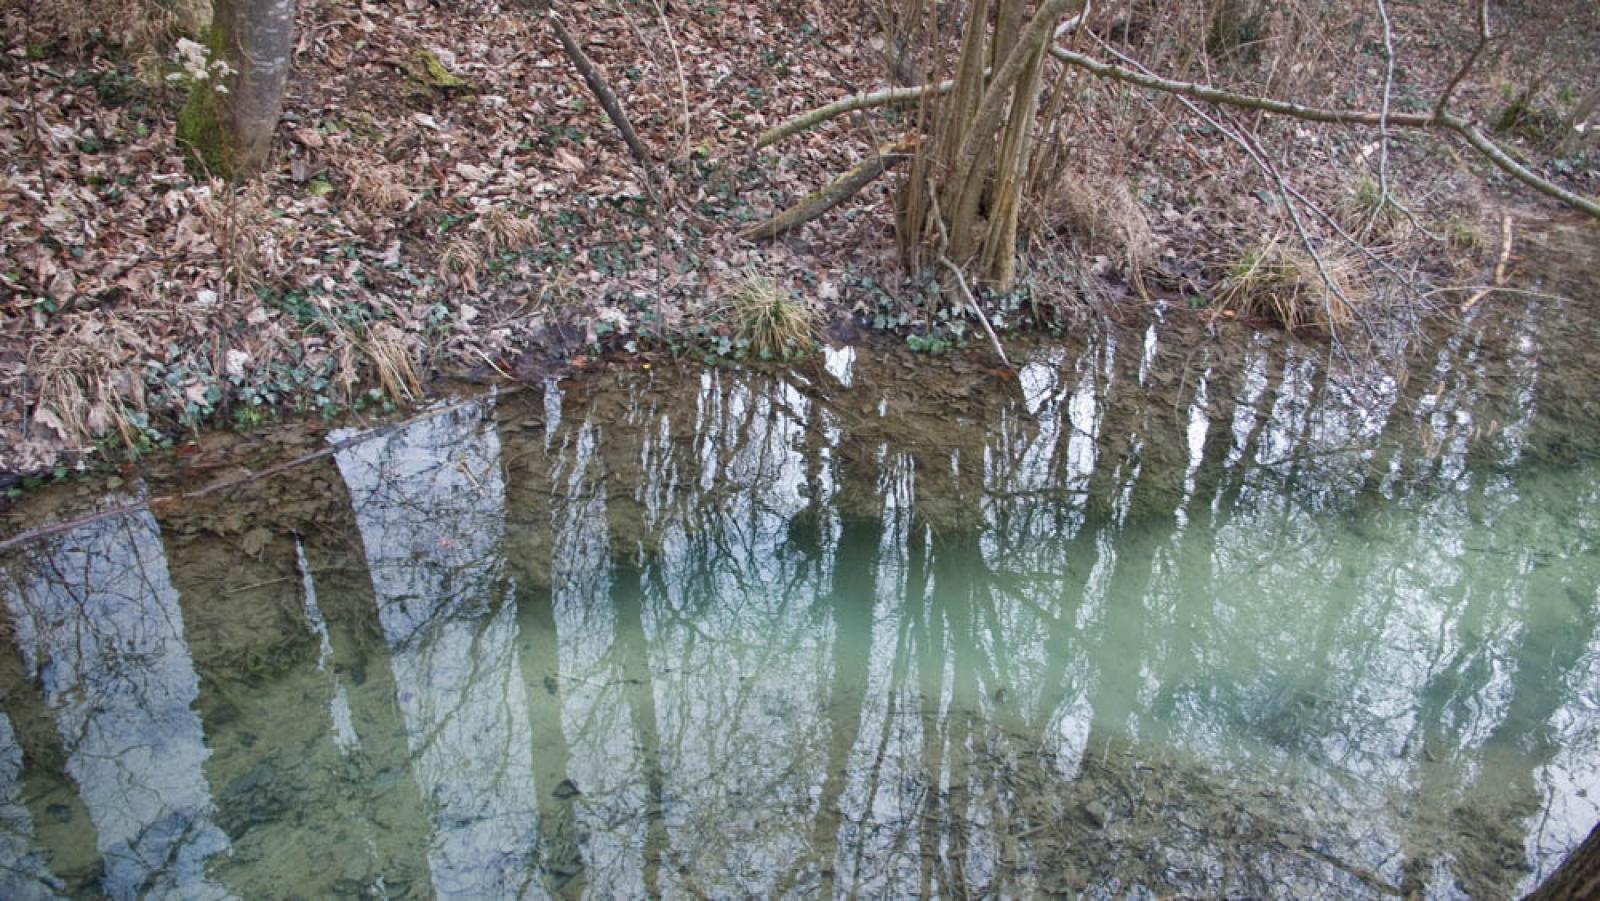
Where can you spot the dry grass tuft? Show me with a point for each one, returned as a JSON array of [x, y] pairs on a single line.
[[1368, 213], [87, 384], [132, 24], [1281, 281], [381, 189], [390, 351], [775, 323], [507, 230], [240, 224], [459, 263], [1103, 219]]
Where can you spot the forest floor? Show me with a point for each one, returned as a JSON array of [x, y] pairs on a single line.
[[407, 233]]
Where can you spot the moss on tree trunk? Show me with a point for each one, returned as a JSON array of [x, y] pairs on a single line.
[[201, 121], [228, 121]]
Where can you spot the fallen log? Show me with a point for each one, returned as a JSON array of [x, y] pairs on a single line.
[[834, 192]]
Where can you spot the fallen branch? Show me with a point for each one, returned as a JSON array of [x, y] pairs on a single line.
[[601, 90], [887, 97], [834, 192], [961, 281], [1437, 119], [1479, 142]]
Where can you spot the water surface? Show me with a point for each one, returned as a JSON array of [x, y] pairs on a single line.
[[1161, 616]]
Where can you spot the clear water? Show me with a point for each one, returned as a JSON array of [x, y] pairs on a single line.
[[1159, 617]]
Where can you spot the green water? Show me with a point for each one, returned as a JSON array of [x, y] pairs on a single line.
[[1162, 616]]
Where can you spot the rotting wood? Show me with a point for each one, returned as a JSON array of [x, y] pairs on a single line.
[[834, 192]]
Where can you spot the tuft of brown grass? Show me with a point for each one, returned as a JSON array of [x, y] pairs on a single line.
[[380, 188], [240, 222], [459, 263], [1102, 218], [506, 230], [390, 351], [775, 323], [87, 384], [1281, 281], [1369, 213], [132, 24]]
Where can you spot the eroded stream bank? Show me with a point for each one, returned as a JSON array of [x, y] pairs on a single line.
[[1162, 615]]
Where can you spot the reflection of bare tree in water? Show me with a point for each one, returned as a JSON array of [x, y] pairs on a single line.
[[560, 861], [1149, 637], [849, 605], [1540, 621], [301, 631], [97, 620], [47, 839]]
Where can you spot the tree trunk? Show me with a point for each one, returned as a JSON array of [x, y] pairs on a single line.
[[228, 122], [1578, 878], [979, 154]]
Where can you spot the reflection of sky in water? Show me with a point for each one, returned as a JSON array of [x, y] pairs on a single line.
[[430, 503], [1231, 643], [98, 624]]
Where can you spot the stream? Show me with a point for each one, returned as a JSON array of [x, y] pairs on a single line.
[[1166, 614]]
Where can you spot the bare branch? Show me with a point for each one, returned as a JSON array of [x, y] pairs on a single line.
[[1447, 121], [887, 97], [961, 281], [1471, 60], [834, 110], [600, 89]]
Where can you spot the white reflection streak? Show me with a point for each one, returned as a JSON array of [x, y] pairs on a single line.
[[881, 806], [344, 730], [840, 363], [1195, 439], [101, 631], [605, 759], [430, 505]]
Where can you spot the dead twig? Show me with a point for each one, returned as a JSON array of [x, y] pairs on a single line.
[[1468, 63], [1499, 268], [961, 281]]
